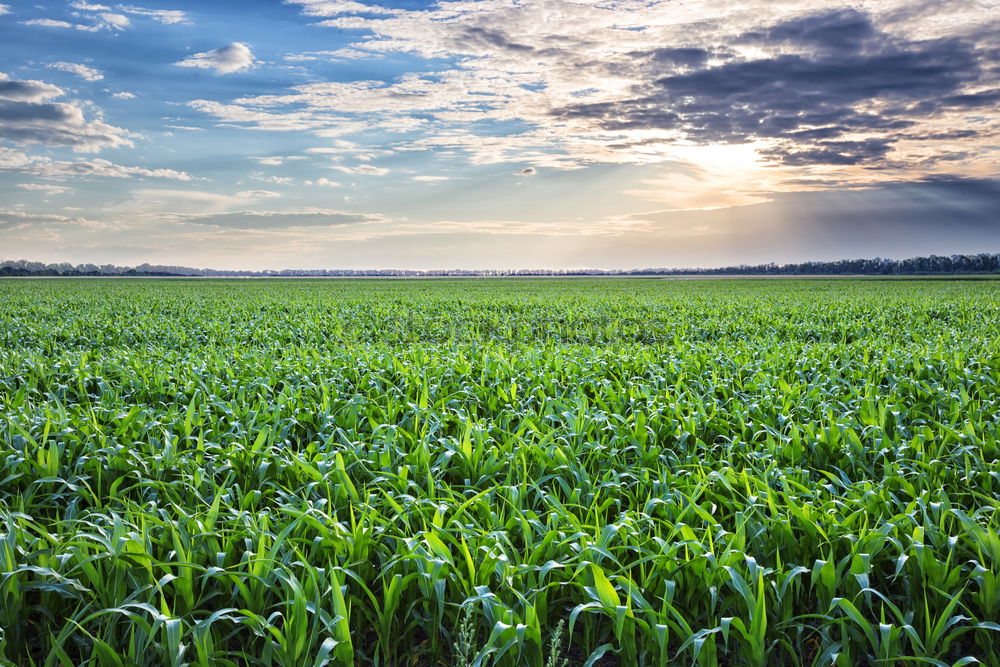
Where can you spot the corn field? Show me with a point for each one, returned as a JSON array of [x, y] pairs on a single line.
[[499, 472]]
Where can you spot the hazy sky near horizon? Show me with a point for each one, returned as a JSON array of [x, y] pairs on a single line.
[[497, 133]]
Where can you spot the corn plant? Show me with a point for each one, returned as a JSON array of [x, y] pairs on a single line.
[[499, 472]]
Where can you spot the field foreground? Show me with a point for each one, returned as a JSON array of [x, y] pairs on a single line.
[[490, 472]]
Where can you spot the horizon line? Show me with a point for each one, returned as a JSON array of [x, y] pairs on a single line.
[[982, 262]]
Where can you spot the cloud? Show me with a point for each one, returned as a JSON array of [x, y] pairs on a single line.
[[339, 7], [431, 179], [277, 180], [324, 182], [362, 169], [44, 187], [105, 169], [26, 116], [108, 19], [4, 9], [165, 16], [829, 77], [15, 161], [867, 151], [27, 90], [225, 60], [160, 202], [257, 194], [113, 21], [337, 54], [18, 220], [565, 84], [293, 121], [105, 20], [12, 160], [84, 72], [527, 171], [280, 219], [48, 23], [124, 95]]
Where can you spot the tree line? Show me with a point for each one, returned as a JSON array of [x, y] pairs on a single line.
[[982, 263]]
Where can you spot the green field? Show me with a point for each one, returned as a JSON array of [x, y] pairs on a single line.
[[499, 472]]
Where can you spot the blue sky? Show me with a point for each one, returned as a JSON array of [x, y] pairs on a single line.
[[497, 133]]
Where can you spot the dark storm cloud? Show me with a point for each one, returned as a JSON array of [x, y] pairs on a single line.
[[835, 152], [983, 98], [826, 68], [279, 220], [833, 31]]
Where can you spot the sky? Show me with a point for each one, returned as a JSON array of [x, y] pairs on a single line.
[[497, 133]]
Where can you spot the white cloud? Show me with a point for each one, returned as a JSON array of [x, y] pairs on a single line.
[[279, 180], [431, 179], [83, 71], [165, 16], [162, 202], [303, 217], [12, 220], [342, 149], [118, 21], [15, 161], [338, 7], [113, 21], [234, 57], [105, 20], [44, 187], [103, 168], [48, 23], [324, 182], [288, 121], [338, 54], [363, 169], [4, 9], [257, 194], [124, 95]]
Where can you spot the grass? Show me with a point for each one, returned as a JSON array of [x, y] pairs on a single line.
[[489, 472]]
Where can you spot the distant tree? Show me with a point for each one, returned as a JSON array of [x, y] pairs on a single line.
[[984, 263]]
